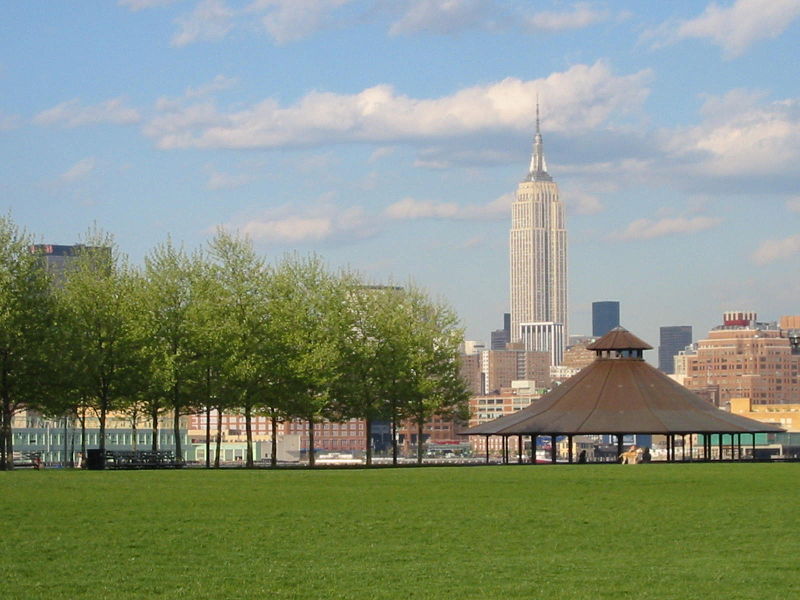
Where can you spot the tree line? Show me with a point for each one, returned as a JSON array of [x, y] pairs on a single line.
[[217, 329]]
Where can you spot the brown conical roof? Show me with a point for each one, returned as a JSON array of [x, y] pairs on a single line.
[[620, 396], [619, 338]]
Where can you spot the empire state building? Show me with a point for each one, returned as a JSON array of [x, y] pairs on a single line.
[[538, 260]]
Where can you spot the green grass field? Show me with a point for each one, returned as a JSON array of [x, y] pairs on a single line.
[[595, 531]]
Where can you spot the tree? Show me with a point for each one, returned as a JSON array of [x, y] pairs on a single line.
[[27, 315], [429, 382], [99, 304], [307, 302], [366, 356], [399, 361], [246, 333], [167, 309]]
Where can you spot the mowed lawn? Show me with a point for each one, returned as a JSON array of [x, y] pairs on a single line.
[[594, 531]]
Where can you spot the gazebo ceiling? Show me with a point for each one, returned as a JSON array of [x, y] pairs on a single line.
[[620, 395]]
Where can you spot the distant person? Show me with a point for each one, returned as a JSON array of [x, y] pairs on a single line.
[[582, 457], [646, 457]]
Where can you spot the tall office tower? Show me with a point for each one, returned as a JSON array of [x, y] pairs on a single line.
[[605, 316], [672, 340], [501, 337], [538, 250]]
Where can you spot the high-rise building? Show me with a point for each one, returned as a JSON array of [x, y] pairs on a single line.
[[745, 359], [672, 340], [501, 337], [605, 316], [538, 249]]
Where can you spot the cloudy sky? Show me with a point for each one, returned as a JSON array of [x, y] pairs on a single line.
[[390, 135]]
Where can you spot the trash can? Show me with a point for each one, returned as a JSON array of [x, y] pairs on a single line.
[[95, 459]]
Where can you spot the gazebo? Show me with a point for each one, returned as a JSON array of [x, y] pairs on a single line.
[[617, 395]]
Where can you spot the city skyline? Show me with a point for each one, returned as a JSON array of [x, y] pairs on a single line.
[[388, 137]]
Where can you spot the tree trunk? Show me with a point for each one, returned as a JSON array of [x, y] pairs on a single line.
[[102, 441], [219, 438], [248, 430], [273, 461], [7, 441], [134, 418], [394, 436], [368, 429], [176, 422], [311, 456], [420, 428], [208, 436], [176, 427], [82, 418], [154, 417]]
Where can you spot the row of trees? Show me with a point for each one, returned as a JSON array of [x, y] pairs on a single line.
[[218, 329]]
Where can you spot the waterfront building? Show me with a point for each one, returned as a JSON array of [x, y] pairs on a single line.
[[744, 358]]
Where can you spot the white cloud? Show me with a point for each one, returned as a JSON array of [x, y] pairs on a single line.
[[292, 20], [444, 16], [381, 152], [581, 203], [412, 209], [583, 97], [316, 223], [211, 20], [137, 5], [226, 181], [741, 137], [73, 114], [775, 250], [409, 208], [79, 170], [735, 28], [219, 83], [583, 14], [646, 229]]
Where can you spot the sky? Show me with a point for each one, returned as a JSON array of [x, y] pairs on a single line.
[[388, 137]]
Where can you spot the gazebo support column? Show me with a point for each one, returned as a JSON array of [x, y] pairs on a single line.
[[505, 449], [487, 449], [683, 447], [553, 449], [619, 446], [669, 454], [519, 449], [691, 446], [719, 445], [753, 440], [569, 446], [533, 448]]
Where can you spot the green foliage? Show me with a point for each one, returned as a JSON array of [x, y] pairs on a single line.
[[593, 531], [27, 315], [98, 307]]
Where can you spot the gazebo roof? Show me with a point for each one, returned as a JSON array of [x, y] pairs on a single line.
[[622, 395], [619, 338]]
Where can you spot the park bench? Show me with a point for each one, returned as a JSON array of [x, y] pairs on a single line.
[[141, 459], [31, 460]]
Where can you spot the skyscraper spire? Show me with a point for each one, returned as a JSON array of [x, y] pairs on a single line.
[[538, 168]]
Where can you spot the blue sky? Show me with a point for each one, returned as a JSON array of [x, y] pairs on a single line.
[[390, 135]]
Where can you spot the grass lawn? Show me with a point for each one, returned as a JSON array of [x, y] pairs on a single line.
[[567, 531]]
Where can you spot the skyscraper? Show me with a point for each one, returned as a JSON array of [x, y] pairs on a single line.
[[538, 249], [605, 316], [672, 340]]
